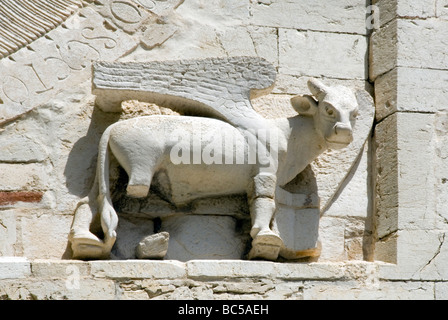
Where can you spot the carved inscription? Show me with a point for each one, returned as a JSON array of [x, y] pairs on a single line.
[[32, 75], [48, 45]]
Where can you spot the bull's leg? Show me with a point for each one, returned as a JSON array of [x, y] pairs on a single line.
[[139, 182], [140, 166], [84, 243], [266, 243]]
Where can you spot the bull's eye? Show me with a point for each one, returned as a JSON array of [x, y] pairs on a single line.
[[355, 115], [330, 111]]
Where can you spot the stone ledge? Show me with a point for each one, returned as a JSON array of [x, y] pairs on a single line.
[[19, 267], [14, 268]]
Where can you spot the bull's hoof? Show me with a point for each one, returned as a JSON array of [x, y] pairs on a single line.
[[87, 246], [266, 245]]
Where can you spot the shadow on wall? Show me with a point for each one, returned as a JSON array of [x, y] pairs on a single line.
[[80, 168]]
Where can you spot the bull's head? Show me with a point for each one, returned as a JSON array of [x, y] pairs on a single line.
[[334, 110]]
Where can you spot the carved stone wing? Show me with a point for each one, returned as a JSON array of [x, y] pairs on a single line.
[[22, 22], [214, 87]]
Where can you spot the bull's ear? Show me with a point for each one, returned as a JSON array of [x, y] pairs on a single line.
[[304, 105], [317, 88]]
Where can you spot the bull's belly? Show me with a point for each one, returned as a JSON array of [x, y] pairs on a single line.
[[184, 183]]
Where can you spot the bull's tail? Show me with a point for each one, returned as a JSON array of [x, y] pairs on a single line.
[[109, 218]]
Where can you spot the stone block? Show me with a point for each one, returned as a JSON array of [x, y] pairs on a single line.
[[386, 248], [138, 269], [442, 9], [383, 50], [387, 291], [396, 44], [213, 269], [204, 237], [15, 177], [59, 269], [237, 41], [299, 230], [420, 255], [215, 12], [341, 17], [316, 54], [324, 271], [355, 186], [410, 173], [386, 173], [407, 158], [16, 148], [390, 9], [297, 84], [422, 43], [332, 239], [44, 236], [14, 268], [441, 291], [8, 235], [58, 289]]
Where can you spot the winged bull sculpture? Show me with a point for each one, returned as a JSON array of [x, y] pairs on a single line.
[[218, 93]]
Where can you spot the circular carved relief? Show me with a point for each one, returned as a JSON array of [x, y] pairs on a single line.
[[125, 12]]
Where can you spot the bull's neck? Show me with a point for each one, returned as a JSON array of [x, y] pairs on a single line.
[[303, 145]]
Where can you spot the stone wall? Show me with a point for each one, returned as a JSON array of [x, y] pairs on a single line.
[[383, 229], [206, 280]]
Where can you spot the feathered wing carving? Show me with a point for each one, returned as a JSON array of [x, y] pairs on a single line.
[[214, 87], [23, 21]]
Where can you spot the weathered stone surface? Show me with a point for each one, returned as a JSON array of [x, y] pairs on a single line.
[[356, 184], [396, 45], [403, 171], [344, 16], [37, 230], [8, 235], [410, 89], [388, 291], [138, 269], [23, 177], [316, 53], [14, 268], [209, 269], [58, 289], [204, 237], [33, 76], [48, 156], [391, 9], [383, 50], [409, 182], [431, 248], [153, 247], [332, 239], [130, 233], [441, 290], [59, 269]]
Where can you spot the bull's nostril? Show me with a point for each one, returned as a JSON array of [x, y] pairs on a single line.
[[343, 130]]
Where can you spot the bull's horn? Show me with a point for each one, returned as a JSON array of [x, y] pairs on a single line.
[[317, 88]]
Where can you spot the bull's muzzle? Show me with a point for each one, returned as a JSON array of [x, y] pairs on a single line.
[[341, 136]]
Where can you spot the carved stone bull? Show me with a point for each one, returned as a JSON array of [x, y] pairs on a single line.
[[145, 147]]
